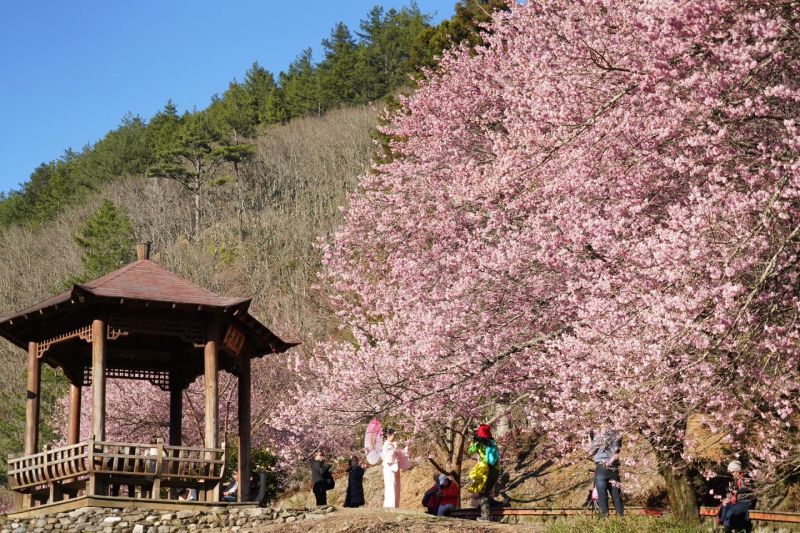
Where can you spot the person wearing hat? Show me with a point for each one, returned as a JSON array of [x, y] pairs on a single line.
[[484, 475], [605, 446], [448, 495], [735, 470], [734, 514]]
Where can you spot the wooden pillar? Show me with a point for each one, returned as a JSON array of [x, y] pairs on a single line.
[[32, 402], [243, 467], [211, 360], [99, 380], [211, 375], [74, 434], [175, 409]]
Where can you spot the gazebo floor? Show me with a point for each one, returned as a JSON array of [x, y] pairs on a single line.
[[122, 503]]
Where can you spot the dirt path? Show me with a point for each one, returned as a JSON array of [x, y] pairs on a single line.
[[377, 521]]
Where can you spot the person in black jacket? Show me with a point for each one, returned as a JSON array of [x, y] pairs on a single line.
[[355, 484], [321, 478]]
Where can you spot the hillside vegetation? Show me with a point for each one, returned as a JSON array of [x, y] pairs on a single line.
[[258, 240], [233, 197]]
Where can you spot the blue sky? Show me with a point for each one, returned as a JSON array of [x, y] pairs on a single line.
[[69, 71]]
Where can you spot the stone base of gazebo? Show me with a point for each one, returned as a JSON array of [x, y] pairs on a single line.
[[118, 516], [122, 503]]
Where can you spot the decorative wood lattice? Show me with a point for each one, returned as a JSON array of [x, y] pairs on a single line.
[[113, 333], [158, 378], [84, 333], [234, 340], [187, 331]]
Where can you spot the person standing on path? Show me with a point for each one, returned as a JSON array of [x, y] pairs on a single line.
[[321, 478], [391, 457], [604, 447], [485, 474], [355, 484]]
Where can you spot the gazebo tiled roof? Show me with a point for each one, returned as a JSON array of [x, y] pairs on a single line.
[[143, 281], [140, 280]]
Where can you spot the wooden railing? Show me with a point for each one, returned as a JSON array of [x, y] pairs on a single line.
[[159, 463], [157, 460], [48, 466]]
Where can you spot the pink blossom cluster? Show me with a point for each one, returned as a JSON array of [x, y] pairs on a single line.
[[594, 218]]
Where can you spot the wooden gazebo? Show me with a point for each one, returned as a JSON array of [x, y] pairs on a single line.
[[138, 322]]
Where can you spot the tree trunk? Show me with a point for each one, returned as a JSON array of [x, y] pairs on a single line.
[[196, 228], [682, 498], [457, 461], [455, 451]]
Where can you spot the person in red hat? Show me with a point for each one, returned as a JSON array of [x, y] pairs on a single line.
[[484, 475]]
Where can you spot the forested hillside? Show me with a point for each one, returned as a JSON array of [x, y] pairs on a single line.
[[359, 67], [233, 197]]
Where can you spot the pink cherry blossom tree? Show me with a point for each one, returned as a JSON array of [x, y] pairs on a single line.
[[594, 218], [138, 410]]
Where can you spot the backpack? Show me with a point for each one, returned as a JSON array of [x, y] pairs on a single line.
[[492, 455], [330, 483], [431, 498]]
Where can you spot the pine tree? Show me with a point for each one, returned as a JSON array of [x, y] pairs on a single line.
[[107, 241], [275, 109], [300, 88], [336, 73], [465, 27], [192, 158], [259, 83], [384, 59], [236, 113]]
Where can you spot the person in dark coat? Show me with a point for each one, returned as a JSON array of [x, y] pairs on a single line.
[[321, 478], [355, 484]]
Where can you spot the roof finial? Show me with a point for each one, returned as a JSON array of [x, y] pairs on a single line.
[[142, 251]]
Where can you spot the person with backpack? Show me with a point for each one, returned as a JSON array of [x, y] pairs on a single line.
[[485, 473], [321, 478], [604, 448], [448, 495], [431, 498]]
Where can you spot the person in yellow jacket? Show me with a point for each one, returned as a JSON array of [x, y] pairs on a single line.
[[484, 475]]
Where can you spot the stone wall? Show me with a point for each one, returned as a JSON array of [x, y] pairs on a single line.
[[135, 520]]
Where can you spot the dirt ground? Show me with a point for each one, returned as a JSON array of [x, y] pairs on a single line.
[[378, 520]]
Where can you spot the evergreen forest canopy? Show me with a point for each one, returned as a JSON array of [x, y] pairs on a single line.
[[359, 67]]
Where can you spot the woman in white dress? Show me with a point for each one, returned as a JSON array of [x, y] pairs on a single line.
[[391, 469]]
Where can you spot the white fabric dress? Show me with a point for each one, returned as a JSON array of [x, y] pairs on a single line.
[[391, 475]]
